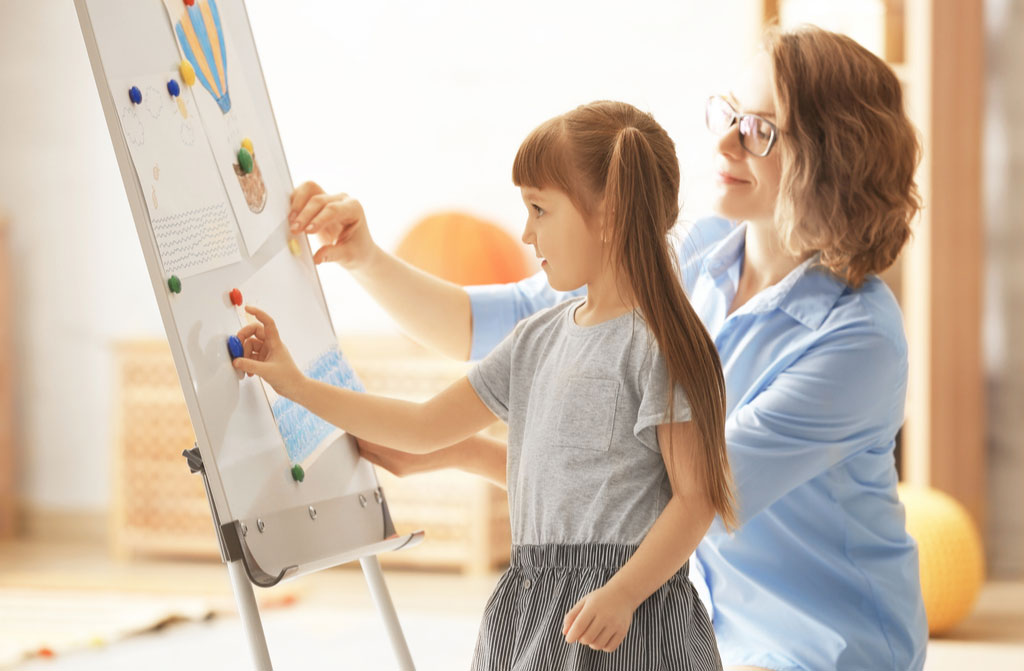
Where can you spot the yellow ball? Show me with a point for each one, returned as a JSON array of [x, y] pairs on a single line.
[[951, 557]]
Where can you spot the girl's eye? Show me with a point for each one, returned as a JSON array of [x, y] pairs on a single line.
[[537, 209]]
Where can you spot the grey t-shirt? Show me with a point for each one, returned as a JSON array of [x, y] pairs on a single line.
[[582, 404]]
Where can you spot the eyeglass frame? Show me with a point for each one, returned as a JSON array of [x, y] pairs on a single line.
[[738, 118]]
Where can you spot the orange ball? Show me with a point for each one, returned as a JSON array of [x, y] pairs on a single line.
[[464, 249]]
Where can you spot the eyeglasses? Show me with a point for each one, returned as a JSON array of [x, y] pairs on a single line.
[[757, 134]]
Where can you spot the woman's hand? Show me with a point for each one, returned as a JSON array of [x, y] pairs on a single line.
[[600, 620], [265, 355], [339, 223], [396, 462]]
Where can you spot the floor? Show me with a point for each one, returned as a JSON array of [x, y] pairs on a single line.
[[327, 620]]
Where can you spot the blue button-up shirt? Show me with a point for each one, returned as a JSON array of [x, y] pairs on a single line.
[[822, 573]]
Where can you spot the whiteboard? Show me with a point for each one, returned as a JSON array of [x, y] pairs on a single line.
[[202, 219]]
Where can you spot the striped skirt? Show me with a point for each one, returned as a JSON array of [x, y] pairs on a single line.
[[522, 622]]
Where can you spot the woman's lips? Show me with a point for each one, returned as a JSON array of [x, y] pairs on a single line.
[[726, 178]]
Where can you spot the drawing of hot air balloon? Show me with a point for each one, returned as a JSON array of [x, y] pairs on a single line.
[[200, 33], [201, 38]]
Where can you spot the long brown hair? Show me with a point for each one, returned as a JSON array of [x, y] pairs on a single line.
[[613, 153], [849, 152]]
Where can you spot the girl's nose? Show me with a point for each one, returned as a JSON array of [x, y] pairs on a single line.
[[527, 235]]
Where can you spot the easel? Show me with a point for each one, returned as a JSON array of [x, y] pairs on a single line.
[[243, 576]]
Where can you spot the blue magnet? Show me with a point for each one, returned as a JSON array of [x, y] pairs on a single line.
[[235, 347], [173, 88], [135, 94]]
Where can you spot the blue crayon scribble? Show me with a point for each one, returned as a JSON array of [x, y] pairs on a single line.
[[302, 430]]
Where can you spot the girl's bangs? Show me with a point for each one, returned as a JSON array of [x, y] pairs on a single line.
[[542, 161]]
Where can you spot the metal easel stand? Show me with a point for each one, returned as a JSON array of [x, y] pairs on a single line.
[[245, 599]]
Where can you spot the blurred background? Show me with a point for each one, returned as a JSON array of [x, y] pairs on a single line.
[[417, 109]]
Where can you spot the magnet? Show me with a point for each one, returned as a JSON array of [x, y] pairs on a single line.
[[188, 74], [236, 297], [245, 160], [235, 347], [293, 245], [135, 94], [174, 284], [173, 88], [298, 474]]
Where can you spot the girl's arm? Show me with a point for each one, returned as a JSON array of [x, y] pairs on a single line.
[[602, 618], [477, 454], [451, 416], [435, 312]]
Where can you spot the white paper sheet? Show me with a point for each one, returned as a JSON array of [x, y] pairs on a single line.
[[307, 333], [192, 220], [261, 198]]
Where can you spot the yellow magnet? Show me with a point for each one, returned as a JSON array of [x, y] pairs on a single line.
[[247, 143], [188, 75], [293, 245]]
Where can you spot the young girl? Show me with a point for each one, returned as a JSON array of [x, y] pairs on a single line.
[[615, 404]]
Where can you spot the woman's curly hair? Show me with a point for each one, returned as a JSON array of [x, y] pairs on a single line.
[[848, 152]]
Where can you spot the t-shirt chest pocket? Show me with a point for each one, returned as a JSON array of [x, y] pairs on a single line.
[[587, 413]]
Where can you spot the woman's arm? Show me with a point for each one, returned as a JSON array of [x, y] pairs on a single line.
[[434, 312], [602, 618], [843, 397], [478, 455]]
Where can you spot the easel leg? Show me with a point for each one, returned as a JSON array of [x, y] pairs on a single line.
[[250, 614], [379, 592]]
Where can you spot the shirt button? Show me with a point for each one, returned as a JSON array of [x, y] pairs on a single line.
[[527, 583]]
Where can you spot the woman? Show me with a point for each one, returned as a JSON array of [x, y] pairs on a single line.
[[815, 162]]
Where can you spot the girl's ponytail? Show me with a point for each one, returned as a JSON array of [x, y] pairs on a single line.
[[637, 210]]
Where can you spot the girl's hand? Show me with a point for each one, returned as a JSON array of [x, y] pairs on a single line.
[[265, 355], [600, 620], [395, 461], [339, 223]]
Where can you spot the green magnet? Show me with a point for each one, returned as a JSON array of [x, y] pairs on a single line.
[[298, 474], [245, 160], [174, 284]]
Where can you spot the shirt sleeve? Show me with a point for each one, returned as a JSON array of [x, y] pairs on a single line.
[[497, 308], [654, 401], [843, 396], [491, 378]]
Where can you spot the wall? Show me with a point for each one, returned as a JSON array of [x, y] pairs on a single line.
[[411, 106], [1003, 174]]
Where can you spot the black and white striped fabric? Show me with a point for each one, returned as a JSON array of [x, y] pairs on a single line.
[[522, 622]]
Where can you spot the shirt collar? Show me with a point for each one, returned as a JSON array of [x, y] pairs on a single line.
[[725, 252], [807, 293]]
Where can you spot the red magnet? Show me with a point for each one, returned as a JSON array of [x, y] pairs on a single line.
[[236, 297], [189, 3]]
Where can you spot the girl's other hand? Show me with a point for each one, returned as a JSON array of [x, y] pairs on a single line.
[[394, 461], [600, 620], [265, 355], [338, 222]]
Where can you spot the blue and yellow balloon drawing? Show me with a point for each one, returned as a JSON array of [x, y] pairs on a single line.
[[202, 40]]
